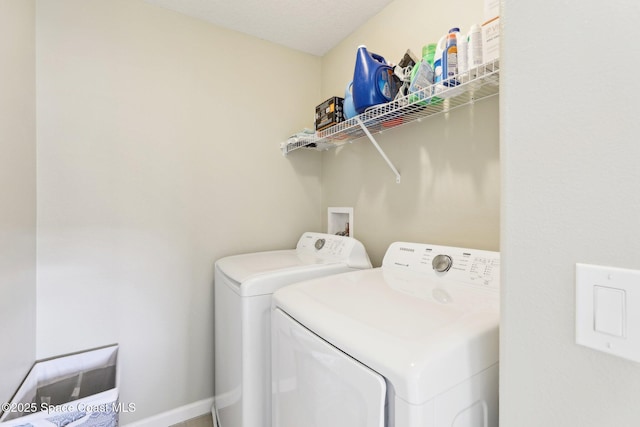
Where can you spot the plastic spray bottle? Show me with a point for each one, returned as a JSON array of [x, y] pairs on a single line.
[[422, 75]]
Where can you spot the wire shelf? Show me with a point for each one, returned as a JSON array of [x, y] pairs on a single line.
[[476, 84]]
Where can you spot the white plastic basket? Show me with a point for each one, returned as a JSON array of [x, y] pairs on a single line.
[[79, 389]]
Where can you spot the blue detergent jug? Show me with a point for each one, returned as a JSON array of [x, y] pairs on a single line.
[[347, 105], [373, 81]]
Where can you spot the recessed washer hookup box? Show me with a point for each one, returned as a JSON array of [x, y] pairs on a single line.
[[79, 389], [329, 113]]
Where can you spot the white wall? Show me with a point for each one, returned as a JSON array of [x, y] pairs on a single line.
[[570, 194], [158, 140], [450, 189], [17, 193]]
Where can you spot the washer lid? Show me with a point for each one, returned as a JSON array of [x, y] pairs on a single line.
[[239, 268], [423, 335], [262, 273], [316, 255]]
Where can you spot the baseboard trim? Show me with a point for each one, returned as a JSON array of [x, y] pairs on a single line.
[[176, 415]]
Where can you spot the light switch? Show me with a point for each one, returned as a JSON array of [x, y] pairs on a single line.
[[609, 310]]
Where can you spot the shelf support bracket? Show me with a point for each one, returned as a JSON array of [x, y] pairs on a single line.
[[375, 144]]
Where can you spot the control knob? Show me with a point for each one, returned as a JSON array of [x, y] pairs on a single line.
[[319, 244], [442, 263]]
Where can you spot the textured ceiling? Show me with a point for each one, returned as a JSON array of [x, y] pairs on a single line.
[[312, 26]]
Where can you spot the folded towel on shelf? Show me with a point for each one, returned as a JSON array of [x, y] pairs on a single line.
[[305, 137]]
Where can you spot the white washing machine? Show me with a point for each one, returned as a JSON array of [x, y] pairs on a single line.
[[243, 288], [413, 343]]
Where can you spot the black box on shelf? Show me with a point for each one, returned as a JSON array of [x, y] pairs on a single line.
[[329, 113]]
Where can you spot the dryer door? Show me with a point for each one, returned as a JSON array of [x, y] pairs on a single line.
[[317, 385]]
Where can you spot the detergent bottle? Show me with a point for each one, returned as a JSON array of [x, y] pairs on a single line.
[[373, 81], [347, 105]]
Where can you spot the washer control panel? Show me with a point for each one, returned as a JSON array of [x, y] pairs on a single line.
[[470, 266], [333, 248]]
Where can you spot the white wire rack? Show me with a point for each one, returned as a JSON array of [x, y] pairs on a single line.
[[473, 85]]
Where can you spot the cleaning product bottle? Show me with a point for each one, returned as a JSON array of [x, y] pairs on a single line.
[[373, 81], [463, 58], [437, 59], [450, 59], [475, 49], [437, 68], [422, 75]]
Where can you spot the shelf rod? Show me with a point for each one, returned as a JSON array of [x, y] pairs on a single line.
[[375, 144]]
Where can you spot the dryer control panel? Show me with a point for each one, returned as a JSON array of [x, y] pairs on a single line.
[[470, 266], [331, 247]]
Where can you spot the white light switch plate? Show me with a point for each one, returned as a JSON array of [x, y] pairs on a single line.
[[608, 310]]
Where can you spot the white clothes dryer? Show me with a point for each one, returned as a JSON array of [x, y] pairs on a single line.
[[413, 343], [242, 290]]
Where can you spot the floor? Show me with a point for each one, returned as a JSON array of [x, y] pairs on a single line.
[[201, 421]]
